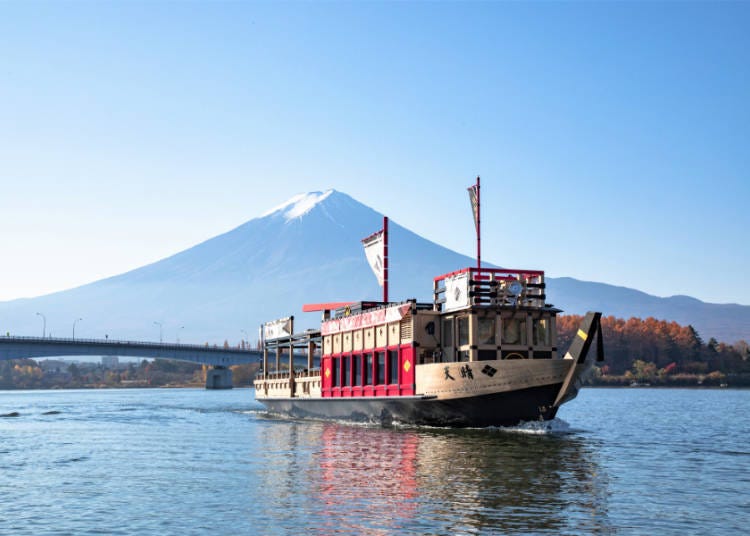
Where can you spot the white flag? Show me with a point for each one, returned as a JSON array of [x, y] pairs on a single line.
[[278, 329], [375, 252]]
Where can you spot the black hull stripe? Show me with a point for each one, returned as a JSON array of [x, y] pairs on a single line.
[[497, 409]]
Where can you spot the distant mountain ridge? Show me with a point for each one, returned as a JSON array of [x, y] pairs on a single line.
[[725, 322], [305, 250]]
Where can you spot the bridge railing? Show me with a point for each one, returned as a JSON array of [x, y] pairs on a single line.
[[164, 345]]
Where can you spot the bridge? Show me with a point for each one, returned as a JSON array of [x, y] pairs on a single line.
[[219, 377]]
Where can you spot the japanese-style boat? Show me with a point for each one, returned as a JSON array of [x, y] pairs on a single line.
[[482, 353]]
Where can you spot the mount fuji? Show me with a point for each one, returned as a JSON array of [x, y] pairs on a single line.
[[306, 250]]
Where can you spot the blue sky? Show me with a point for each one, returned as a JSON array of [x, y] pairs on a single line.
[[612, 138]]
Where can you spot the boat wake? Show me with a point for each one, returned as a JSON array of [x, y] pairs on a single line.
[[555, 426], [257, 412]]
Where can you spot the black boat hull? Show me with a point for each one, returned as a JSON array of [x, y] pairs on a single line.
[[496, 409]]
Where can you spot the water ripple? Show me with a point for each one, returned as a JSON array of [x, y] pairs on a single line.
[[195, 462]]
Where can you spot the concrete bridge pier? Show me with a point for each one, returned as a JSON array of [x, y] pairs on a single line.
[[218, 377]]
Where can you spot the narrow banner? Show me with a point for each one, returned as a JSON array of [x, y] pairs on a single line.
[[475, 209], [375, 253], [473, 190]]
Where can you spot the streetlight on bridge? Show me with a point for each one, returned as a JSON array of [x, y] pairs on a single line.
[[74, 326], [161, 339], [178, 333], [44, 325]]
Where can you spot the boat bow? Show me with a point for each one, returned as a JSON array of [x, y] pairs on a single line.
[[579, 353]]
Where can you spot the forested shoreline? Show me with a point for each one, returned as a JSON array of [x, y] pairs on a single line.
[[661, 353]]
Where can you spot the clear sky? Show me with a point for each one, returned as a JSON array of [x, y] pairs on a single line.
[[612, 138]]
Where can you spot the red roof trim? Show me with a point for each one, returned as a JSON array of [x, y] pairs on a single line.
[[310, 307], [489, 271]]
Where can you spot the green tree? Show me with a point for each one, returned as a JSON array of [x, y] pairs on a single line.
[[74, 371]]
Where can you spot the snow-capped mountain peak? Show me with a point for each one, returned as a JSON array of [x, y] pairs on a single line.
[[307, 250], [299, 205]]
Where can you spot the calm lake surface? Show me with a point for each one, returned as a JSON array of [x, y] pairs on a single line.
[[184, 461]]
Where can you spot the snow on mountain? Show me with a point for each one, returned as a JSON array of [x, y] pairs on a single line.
[[299, 205], [306, 250]]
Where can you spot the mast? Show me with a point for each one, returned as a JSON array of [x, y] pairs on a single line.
[[385, 259], [479, 228]]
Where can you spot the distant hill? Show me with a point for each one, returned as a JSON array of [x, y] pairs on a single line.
[[725, 322], [306, 250]]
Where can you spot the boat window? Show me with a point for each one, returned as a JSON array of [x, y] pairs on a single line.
[[335, 371], [380, 368], [463, 330], [346, 360], [540, 330], [447, 332], [514, 330], [393, 367], [367, 370], [487, 355], [486, 330], [356, 370]]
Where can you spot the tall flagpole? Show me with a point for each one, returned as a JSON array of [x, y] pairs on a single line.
[[479, 229], [385, 259]]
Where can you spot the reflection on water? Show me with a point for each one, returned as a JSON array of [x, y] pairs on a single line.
[[350, 479]]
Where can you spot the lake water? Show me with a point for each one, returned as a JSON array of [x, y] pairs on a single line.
[[183, 461]]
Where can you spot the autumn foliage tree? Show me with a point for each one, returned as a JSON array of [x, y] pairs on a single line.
[[632, 346]]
